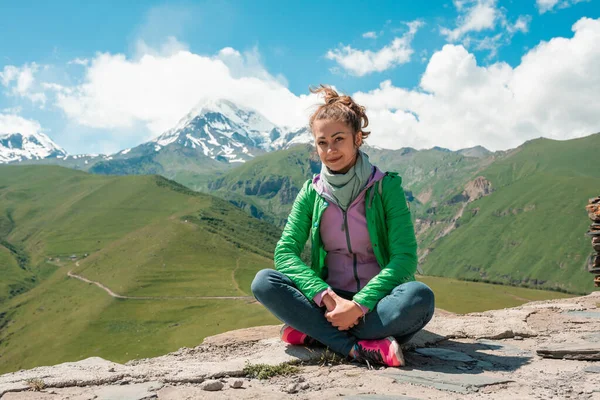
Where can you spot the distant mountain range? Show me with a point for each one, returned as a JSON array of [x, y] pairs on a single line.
[[216, 129], [211, 138], [17, 147]]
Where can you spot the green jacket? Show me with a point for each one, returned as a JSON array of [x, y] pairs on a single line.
[[390, 230]]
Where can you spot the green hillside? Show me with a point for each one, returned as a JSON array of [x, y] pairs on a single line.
[[530, 230], [164, 249], [144, 236], [432, 176], [266, 186]]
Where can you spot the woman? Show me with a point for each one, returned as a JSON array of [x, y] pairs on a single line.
[[359, 296]]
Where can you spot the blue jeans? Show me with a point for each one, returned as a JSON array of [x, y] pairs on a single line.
[[402, 313]]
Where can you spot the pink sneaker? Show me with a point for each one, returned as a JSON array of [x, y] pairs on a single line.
[[381, 351], [295, 337]]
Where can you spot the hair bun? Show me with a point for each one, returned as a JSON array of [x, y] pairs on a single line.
[[340, 108]]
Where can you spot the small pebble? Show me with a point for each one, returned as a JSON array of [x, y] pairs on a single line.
[[212, 385], [238, 383], [305, 386], [292, 388], [300, 379], [518, 338]]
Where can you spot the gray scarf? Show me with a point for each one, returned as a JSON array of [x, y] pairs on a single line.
[[346, 187]]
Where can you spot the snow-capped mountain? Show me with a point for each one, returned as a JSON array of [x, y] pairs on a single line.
[[35, 146], [213, 135], [227, 132]]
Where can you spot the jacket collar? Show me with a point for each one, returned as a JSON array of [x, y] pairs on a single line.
[[319, 186]]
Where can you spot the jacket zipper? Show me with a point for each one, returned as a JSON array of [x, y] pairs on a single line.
[[354, 266]]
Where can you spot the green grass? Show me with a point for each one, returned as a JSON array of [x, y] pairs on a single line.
[[530, 230], [464, 297], [64, 319], [265, 371], [145, 236]]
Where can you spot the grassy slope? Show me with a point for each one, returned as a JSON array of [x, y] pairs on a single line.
[[441, 172], [531, 229], [253, 185], [465, 297], [139, 243]]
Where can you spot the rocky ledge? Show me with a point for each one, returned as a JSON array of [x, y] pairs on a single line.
[[540, 350]]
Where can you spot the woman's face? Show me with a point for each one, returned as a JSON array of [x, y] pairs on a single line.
[[336, 146]]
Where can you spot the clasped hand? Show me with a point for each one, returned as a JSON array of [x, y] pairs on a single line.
[[342, 313]]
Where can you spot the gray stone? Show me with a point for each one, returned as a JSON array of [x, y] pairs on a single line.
[[572, 351], [484, 364], [136, 391], [212, 385], [238, 383], [304, 385], [592, 337], [595, 369], [584, 314], [377, 397], [445, 354], [459, 383], [292, 388], [504, 348]]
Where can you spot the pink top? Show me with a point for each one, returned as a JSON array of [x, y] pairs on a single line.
[[350, 260]]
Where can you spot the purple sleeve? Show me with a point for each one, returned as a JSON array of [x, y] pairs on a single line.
[[318, 299], [364, 309]]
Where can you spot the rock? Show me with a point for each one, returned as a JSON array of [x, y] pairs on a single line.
[[304, 385], [377, 397], [445, 354], [136, 391], [238, 383], [292, 388], [459, 383], [595, 369], [572, 351], [212, 385], [584, 314], [518, 338]]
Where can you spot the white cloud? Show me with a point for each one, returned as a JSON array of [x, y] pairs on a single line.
[[370, 35], [12, 123], [520, 25], [475, 17], [548, 5], [80, 61], [20, 82], [552, 93], [363, 62], [157, 89], [481, 15]]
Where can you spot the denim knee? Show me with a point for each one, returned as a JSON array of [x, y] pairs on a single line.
[[422, 298], [262, 283]]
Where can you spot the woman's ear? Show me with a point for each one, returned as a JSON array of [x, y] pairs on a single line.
[[358, 139]]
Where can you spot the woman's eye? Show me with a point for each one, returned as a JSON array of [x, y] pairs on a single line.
[[322, 143], [338, 139]]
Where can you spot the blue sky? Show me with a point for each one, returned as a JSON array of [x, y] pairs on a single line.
[[108, 75]]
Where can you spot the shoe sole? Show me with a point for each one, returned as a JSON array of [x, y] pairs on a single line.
[[397, 350]]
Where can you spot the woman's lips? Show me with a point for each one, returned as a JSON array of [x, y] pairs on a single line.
[[332, 160]]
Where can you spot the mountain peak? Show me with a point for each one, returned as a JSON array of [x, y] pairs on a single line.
[[224, 130], [34, 146]]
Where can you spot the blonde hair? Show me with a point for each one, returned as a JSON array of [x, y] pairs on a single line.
[[341, 109]]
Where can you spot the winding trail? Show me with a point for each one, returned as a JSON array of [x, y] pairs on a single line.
[[118, 296], [235, 283]]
